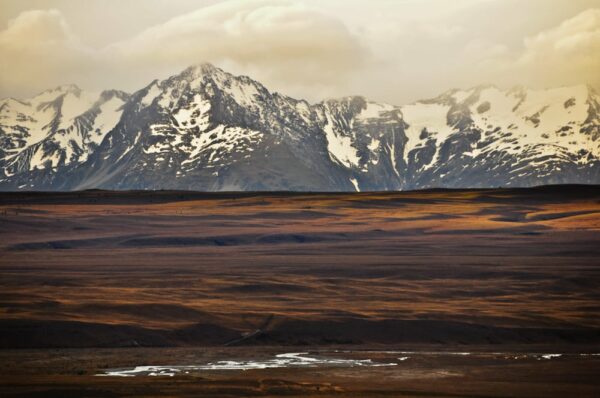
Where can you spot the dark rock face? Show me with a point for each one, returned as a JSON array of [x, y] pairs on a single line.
[[208, 130]]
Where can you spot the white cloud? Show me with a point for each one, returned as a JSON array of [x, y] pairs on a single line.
[[287, 44], [37, 48], [291, 47], [395, 51], [574, 46], [565, 54], [38, 26]]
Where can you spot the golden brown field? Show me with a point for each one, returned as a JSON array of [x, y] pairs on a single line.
[[98, 280]]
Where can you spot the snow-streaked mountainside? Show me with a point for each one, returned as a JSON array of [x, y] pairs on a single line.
[[205, 129], [56, 128]]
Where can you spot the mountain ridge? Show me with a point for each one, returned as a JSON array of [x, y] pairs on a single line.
[[206, 129]]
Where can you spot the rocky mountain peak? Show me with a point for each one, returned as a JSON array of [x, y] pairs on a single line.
[[52, 94], [107, 95], [206, 129]]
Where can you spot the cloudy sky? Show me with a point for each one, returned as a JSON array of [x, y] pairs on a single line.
[[396, 51]]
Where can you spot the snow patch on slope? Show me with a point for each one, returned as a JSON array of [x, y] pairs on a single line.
[[549, 119], [429, 117], [107, 119], [153, 92], [73, 105], [221, 142], [340, 147], [374, 111]]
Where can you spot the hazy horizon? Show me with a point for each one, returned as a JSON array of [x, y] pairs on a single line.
[[393, 51]]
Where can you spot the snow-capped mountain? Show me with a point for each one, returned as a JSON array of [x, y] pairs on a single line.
[[205, 129], [56, 128], [488, 137]]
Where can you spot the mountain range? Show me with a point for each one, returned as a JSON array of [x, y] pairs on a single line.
[[205, 129]]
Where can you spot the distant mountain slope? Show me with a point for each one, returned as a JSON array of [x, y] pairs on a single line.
[[56, 128], [488, 137], [205, 129]]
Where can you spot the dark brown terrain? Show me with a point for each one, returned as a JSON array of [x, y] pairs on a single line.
[[97, 280]]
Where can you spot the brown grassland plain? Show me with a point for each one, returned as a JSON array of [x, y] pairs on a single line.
[[94, 280]]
